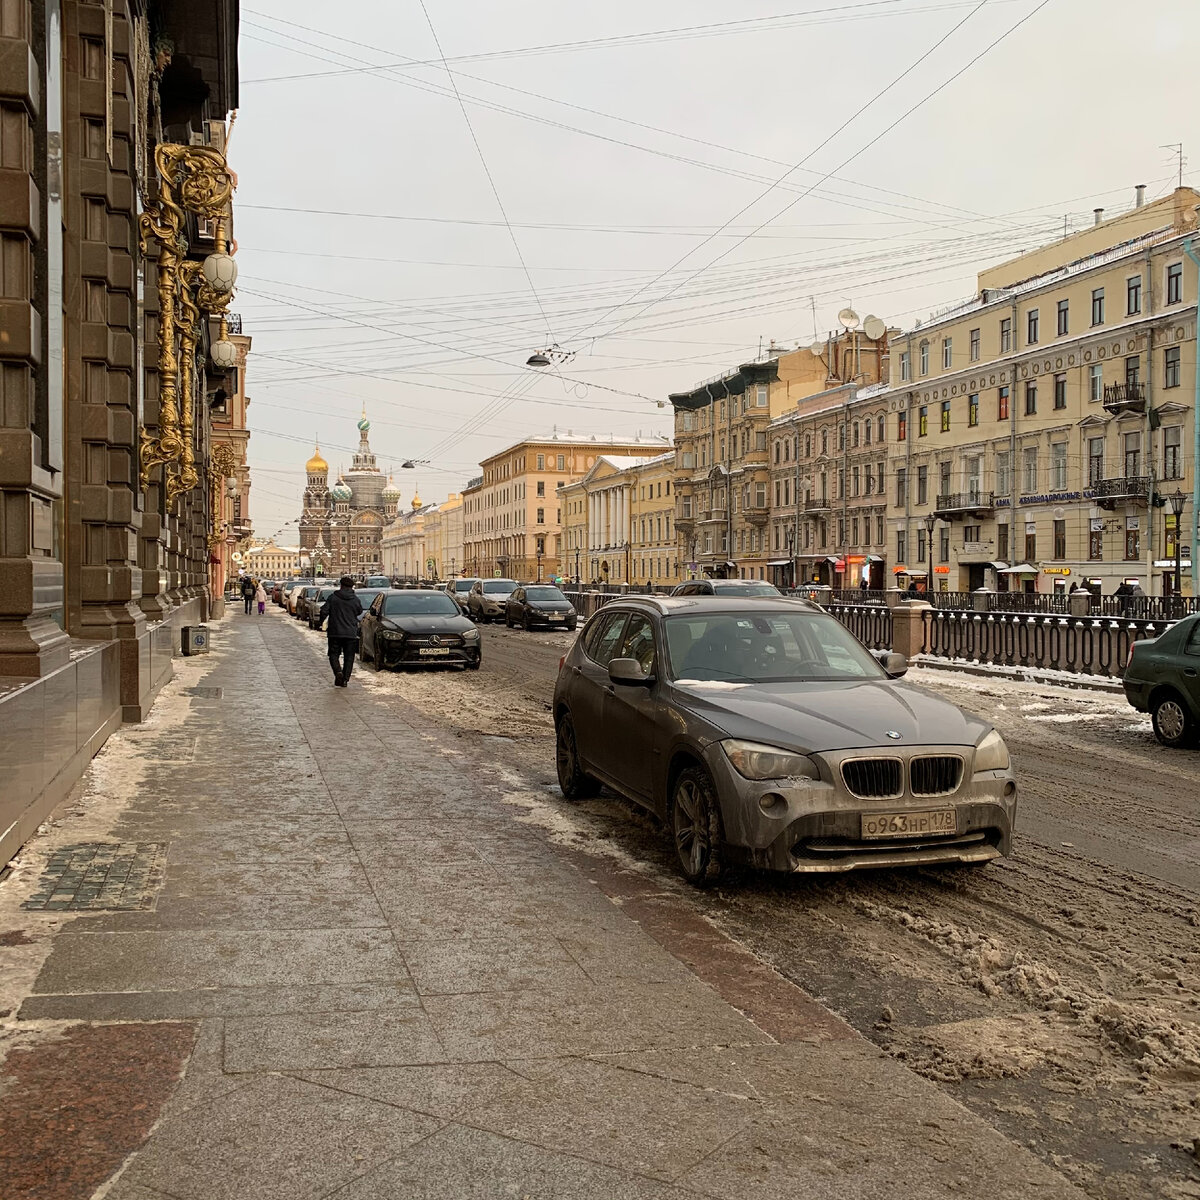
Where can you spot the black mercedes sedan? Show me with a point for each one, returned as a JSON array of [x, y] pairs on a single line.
[[539, 604], [418, 628]]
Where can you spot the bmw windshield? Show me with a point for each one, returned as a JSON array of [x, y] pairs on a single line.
[[747, 648]]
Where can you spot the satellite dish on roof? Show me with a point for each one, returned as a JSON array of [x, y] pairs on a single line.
[[874, 328], [817, 348], [849, 318]]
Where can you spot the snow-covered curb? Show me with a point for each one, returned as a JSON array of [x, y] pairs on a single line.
[[1046, 675]]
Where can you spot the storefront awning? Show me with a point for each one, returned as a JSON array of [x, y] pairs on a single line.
[[1020, 569], [997, 566], [780, 562], [874, 558]]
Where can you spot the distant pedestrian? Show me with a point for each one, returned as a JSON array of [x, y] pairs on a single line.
[[913, 589], [260, 595], [248, 590], [862, 584], [342, 611]]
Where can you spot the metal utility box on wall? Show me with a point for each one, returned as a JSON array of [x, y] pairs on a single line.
[[194, 639]]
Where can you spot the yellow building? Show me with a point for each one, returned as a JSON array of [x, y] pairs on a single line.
[[513, 517], [269, 561], [618, 521], [723, 472], [1043, 424], [443, 537]]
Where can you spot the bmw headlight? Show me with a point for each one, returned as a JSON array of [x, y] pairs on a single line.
[[470, 635], [992, 754], [752, 760]]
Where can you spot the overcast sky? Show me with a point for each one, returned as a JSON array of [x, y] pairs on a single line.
[[631, 149]]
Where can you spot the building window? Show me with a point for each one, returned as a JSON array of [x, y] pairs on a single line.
[[901, 426], [905, 366], [541, 462], [1097, 306], [1133, 370], [854, 435], [541, 516], [901, 546], [944, 544], [854, 481], [973, 409], [1133, 295], [1058, 467], [1172, 467], [924, 358], [923, 421], [1175, 283], [1095, 460], [1064, 317], [947, 353], [879, 531], [1029, 470], [1133, 539], [1002, 542], [824, 441], [972, 533], [1095, 383], [974, 345], [1171, 367], [881, 430], [1030, 543], [867, 432], [1031, 399], [541, 487], [1006, 335], [1133, 455], [922, 485], [1002, 406], [1096, 539], [1003, 472], [945, 416], [920, 544], [1031, 327], [808, 445], [901, 487], [1060, 391]]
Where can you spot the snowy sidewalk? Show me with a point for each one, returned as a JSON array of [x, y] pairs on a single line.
[[344, 967]]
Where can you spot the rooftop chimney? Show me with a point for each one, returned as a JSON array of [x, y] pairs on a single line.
[[1141, 195], [1099, 214]]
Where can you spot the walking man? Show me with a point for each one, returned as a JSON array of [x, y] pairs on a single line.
[[247, 592], [342, 611]]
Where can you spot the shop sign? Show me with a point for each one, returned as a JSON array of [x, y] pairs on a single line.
[[941, 570], [1056, 570]]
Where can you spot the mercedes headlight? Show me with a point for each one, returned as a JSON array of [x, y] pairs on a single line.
[[752, 760], [470, 635], [992, 754]]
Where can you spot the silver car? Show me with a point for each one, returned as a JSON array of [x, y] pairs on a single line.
[[763, 733], [488, 598]]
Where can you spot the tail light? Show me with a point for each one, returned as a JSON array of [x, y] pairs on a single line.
[[1129, 656], [561, 661]]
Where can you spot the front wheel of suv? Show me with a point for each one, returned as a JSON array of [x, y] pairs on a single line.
[[696, 823], [576, 783]]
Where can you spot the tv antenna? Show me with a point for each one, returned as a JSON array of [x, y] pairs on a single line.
[[1182, 162]]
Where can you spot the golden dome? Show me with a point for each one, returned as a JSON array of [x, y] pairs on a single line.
[[317, 465], [416, 500]]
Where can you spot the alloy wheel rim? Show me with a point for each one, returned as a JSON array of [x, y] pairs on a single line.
[[689, 840], [1170, 720], [566, 751]]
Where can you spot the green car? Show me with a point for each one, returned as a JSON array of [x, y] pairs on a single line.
[[1162, 678]]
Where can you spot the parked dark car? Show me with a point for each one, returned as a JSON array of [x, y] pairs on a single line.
[[418, 628], [726, 587], [458, 590], [307, 595], [764, 733], [539, 604], [314, 606], [1162, 678], [379, 583], [487, 598]]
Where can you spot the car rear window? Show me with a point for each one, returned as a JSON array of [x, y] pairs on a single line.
[[463, 585], [745, 589], [493, 586], [420, 604]]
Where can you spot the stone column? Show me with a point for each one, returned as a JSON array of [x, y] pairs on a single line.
[[908, 628]]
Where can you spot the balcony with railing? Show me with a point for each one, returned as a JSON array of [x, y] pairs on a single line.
[[817, 504], [1125, 397], [1125, 489], [971, 503]]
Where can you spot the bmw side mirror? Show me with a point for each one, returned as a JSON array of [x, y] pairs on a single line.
[[628, 672], [894, 665]]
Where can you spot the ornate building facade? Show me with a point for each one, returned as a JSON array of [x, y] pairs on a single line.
[[341, 527]]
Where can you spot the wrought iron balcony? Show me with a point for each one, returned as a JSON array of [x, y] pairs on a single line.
[[817, 504], [1125, 489], [1125, 397], [964, 504]]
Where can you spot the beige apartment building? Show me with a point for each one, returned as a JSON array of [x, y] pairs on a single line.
[[266, 560], [513, 520], [724, 448], [1037, 433], [828, 489], [443, 537], [618, 522], [403, 553]]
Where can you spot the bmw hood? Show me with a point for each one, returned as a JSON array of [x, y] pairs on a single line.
[[816, 717]]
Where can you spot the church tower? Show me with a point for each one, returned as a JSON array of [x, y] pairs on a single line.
[[314, 520]]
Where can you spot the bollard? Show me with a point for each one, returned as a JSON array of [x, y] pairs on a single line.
[[1079, 603], [981, 599], [908, 628]]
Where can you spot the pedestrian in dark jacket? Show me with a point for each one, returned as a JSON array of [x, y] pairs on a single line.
[[247, 592], [342, 611]]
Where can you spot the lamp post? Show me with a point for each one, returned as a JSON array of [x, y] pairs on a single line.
[[539, 566], [790, 534], [930, 520], [1177, 500]]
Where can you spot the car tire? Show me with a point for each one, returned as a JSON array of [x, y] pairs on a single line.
[[576, 783], [1174, 724], [474, 666], [571, 627], [507, 620], [527, 624], [699, 835]]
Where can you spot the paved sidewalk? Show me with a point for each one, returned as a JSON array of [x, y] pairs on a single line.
[[363, 977]]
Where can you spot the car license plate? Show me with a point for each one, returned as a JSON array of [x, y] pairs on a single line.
[[432, 651], [911, 824], [556, 616]]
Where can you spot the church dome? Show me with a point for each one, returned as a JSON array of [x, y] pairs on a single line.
[[341, 492], [416, 500], [363, 424], [316, 465], [391, 493]]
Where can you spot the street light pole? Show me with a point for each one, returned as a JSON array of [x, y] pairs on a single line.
[[1177, 502], [930, 520]]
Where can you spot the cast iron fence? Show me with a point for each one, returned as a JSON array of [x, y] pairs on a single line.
[[870, 623]]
